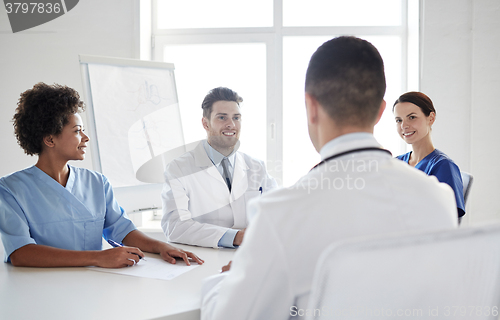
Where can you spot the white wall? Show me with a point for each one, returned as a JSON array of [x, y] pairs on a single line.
[[460, 71], [49, 53]]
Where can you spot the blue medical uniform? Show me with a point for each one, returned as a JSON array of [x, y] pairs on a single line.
[[34, 208], [438, 164]]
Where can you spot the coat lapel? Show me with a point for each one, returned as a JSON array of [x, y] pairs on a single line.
[[240, 181]]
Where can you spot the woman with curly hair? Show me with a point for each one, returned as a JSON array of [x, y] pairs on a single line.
[[55, 215], [415, 114]]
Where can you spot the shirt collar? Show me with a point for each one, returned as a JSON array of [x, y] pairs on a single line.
[[216, 157], [330, 147]]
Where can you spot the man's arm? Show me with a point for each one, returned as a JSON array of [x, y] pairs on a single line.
[[238, 238], [258, 285], [190, 231], [176, 204]]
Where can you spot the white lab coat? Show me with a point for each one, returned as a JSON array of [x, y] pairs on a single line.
[[197, 205], [271, 274]]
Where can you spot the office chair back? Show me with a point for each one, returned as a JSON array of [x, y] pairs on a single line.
[[467, 179], [449, 274]]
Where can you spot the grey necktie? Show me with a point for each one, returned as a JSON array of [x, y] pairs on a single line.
[[226, 175]]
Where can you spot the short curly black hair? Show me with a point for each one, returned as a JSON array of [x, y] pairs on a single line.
[[42, 111]]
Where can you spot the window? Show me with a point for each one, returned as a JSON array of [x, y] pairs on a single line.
[[261, 50], [239, 66], [175, 14]]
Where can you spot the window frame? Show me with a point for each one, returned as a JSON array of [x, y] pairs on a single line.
[[272, 37]]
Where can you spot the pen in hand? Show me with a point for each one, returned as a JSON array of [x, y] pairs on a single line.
[[116, 244]]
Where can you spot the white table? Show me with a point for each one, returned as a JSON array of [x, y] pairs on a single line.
[[79, 293]]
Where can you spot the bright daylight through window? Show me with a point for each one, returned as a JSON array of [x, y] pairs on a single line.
[[261, 50]]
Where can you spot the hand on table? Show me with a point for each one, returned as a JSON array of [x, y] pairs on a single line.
[[238, 239], [119, 257], [169, 253], [226, 267]]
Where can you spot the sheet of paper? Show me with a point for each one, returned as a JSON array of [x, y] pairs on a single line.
[[152, 268]]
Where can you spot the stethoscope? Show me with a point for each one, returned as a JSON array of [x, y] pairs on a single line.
[[351, 151]]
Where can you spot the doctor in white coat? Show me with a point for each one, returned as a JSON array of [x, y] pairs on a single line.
[[207, 189], [358, 189]]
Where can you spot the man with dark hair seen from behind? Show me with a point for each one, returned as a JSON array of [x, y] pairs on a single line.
[[207, 189], [358, 189]]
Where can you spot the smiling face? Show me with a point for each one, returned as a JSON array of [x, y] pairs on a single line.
[[223, 127], [71, 143], [411, 123]]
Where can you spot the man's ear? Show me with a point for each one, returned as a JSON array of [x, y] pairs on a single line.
[[204, 122], [381, 111], [49, 141], [312, 106]]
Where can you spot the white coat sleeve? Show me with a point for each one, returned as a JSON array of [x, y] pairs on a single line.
[[188, 231], [270, 183], [258, 169], [258, 286]]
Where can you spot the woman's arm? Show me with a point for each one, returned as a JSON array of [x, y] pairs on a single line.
[[35, 255]]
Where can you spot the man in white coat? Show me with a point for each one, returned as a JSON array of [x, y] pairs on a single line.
[[207, 189], [357, 189]]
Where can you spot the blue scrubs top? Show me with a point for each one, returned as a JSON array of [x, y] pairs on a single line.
[[34, 208], [438, 164]]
